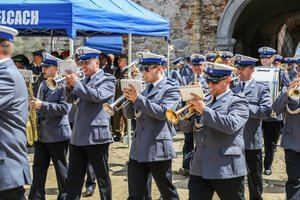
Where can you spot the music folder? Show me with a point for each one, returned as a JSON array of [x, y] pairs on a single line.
[[137, 84], [27, 75], [186, 91], [66, 65]]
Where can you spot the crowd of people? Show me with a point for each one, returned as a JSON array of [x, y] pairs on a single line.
[[236, 118]]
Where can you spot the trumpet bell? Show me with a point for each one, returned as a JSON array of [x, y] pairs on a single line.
[[294, 94], [172, 116], [51, 83], [108, 108]]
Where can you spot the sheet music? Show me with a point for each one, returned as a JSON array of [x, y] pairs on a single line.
[[137, 84], [27, 75], [66, 65], [186, 91]]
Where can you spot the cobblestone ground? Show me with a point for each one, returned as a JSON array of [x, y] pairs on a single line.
[[273, 185]]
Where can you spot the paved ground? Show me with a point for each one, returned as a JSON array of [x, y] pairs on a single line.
[[273, 185]]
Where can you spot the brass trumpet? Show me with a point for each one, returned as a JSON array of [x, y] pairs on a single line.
[[294, 93], [175, 116], [54, 84], [111, 108]]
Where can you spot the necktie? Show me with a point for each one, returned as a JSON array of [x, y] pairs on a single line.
[[243, 87], [150, 88], [88, 79], [213, 100]]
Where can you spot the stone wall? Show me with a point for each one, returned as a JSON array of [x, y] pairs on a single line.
[[193, 25]]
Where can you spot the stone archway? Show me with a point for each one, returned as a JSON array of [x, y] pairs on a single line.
[[246, 25]]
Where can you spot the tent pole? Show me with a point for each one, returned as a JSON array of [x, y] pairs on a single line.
[[71, 46], [168, 57], [129, 128]]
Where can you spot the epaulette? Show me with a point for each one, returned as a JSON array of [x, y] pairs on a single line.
[[172, 81], [262, 83]]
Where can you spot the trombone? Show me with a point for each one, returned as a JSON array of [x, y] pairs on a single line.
[[174, 116]]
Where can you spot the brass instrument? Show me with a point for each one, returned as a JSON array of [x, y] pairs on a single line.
[[31, 126], [294, 93], [175, 116], [54, 84], [131, 73]]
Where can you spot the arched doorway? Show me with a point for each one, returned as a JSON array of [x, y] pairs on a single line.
[[247, 25]]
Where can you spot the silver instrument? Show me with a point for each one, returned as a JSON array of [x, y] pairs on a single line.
[[269, 76], [54, 84]]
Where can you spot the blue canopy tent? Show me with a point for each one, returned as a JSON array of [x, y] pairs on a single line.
[[78, 17], [82, 18]]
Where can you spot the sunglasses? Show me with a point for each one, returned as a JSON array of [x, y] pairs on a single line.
[[214, 81], [147, 68]]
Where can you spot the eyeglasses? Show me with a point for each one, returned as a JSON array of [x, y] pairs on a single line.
[[147, 68], [214, 81], [265, 57]]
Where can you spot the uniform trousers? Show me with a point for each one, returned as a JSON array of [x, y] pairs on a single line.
[[187, 150], [227, 189], [17, 193], [90, 177], [271, 135], [138, 178], [292, 186], [254, 177], [43, 154], [97, 155]]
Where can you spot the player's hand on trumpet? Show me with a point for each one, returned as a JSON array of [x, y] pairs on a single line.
[[130, 93], [197, 103], [71, 78]]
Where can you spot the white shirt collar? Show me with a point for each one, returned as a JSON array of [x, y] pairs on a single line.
[[96, 74], [246, 83], [156, 82]]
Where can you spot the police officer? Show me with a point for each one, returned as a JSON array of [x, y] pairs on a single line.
[[186, 70], [258, 96], [196, 78], [218, 163], [210, 57], [91, 135], [226, 58], [21, 61], [152, 148], [290, 62], [14, 165], [272, 125], [175, 72], [290, 139], [36, 69], [54, 133], [278, 61]]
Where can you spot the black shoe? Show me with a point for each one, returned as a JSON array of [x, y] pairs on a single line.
[[183, 172], [89, 191], [268, 172], [118, 138]]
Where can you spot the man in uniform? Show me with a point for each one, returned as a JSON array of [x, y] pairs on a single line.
[[258, 96], [273, 124], [226, 57], [54, 133], [218, 163], [14, 165], [290, 140], [290, 62], [91, 136], [175, 72], [152, 148], [278, 61], [36, 69], [195, 79], [210, 57]]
